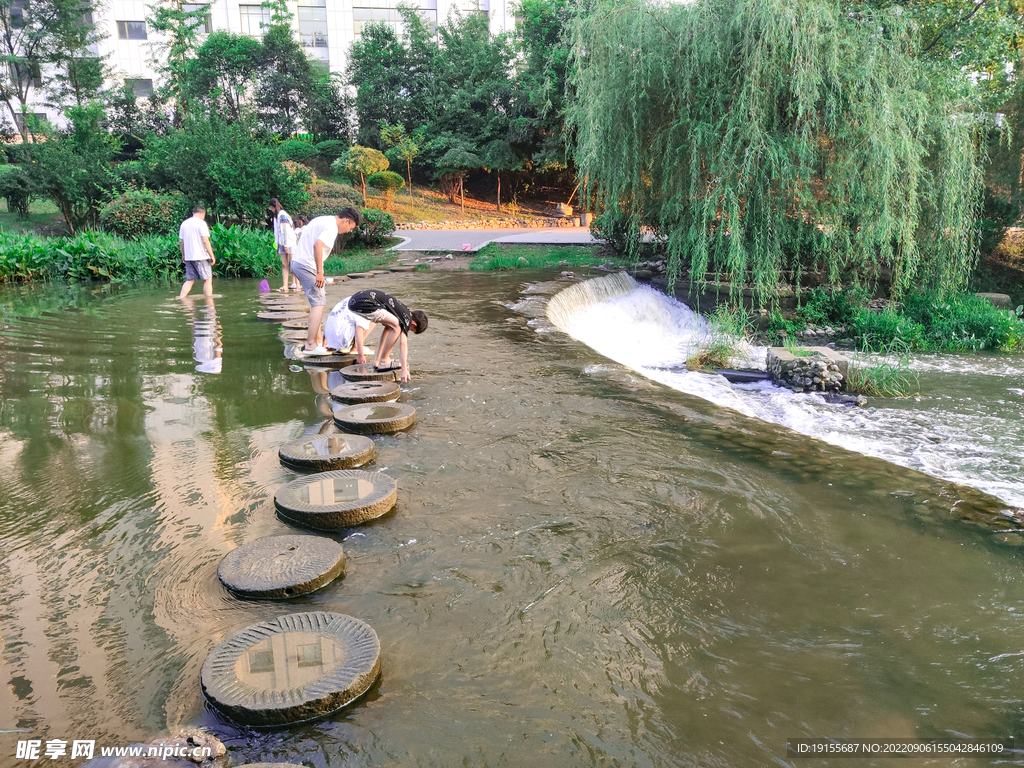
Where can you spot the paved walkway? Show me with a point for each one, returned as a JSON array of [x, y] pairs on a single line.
[[454, 240]]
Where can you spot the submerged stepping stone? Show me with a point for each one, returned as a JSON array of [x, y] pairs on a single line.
[[366, 372], [281, 316], [375, 418], [292, 337], [360, 275], [291, 669], [356, 392], [379, 271], [323, 453], [295, 325], [332, 500], [403, 269], [278, 567]]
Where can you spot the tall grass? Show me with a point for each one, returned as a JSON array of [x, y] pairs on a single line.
[[890, 376], [728, 326], [494, 256]]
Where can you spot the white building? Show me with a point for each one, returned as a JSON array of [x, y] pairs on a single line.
[[327, 29]]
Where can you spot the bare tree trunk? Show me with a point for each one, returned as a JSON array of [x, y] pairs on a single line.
[[462, 194], [408, 172], [498, 174]]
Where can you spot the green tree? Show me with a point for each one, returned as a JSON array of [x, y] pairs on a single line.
[[223, 73], [388, 182], [499, 156], [326, 113], [72, 167], [763, 135], [402, 145], [285, 76], [544, 76], [377, 70], [360, 162], [456, 163], [174, 55], [33, 35]]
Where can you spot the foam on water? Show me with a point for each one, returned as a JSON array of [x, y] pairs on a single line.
[[975, 440]]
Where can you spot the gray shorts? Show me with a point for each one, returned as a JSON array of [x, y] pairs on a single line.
[[307, 279], [198, 270]]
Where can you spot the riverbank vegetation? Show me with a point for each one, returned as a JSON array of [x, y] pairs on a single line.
[[504, 256]]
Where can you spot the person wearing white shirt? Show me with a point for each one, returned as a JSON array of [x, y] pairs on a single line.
[[285, 239], [196, 252], [314, 246]]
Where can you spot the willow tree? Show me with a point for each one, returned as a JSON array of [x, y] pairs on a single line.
[[758, 136]]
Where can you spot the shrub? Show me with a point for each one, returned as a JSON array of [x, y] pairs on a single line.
[[244, 252], [327, 198], [613, 229], [880, 328], [332, 149], [825, 307], [388, 182], [376, 226], [296, 150], [139, 212], [132, 173], [17, 189]]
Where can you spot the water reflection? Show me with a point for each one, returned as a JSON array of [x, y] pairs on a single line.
[[287, 660], [332, 445], [207, 340], [336, 490]]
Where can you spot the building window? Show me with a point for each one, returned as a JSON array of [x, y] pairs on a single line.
[[131, 30], [17, 12], [313, 23], [204, 23], [390, 16], [25, 72], [141, 87], [19, 119], [254, 19]]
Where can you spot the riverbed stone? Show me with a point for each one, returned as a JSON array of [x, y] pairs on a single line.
[[291, 669], [1000, 300], [280, 567], [818, 369], [331, 500], [375, 418], [366, 372], [356, 392], [325, 453]]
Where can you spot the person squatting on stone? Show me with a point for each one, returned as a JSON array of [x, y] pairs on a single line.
[[307, 264], [196, 252], [285, 238], [398, 320]]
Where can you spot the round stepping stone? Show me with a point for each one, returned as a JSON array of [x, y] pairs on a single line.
[[295, 325], [322, 453], [292, 337], [271, 765], [403, 269], [281, 316], [356, 392], [328, 361], [360, 275], [291, 669], [332, 500], [366, 372], [379, 271], [274, 296], [278, 567], [375, 418]]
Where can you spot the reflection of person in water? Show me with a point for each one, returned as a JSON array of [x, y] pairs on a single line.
[[207, 346]]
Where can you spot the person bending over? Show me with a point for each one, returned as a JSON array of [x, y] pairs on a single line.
[[307, 264], [398, 321]]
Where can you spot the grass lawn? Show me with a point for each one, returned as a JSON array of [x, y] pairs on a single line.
[[43, 219], [496, 256], [362, 259]]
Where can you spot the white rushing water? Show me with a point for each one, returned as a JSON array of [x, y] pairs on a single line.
[[967, 426]]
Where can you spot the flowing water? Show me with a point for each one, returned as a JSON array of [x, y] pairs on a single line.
[[585, 567]]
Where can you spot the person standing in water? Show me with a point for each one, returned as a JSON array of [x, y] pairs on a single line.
[[285, 240], [196, 252]]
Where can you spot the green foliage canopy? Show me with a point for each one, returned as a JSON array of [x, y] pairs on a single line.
[[360, 162], [763, 135]]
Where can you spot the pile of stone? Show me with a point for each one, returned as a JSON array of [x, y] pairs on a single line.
[[814, 336], [817, 369]]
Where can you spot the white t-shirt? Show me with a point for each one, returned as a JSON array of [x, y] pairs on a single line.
[[323, 229], [284, 234], [191, 233], [340, 326]]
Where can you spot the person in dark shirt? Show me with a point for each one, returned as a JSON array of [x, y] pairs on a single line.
[[398, 321]]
